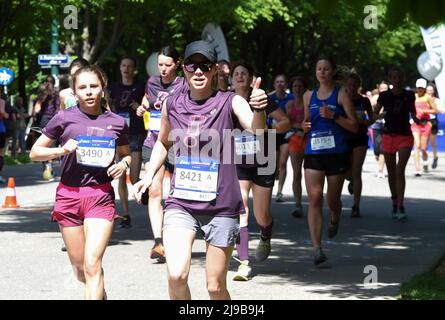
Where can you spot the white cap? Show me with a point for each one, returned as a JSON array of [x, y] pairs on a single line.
[[421, 83]]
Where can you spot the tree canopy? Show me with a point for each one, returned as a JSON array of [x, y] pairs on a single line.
[[276, 36]]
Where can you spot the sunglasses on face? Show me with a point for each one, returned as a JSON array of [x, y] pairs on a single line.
[[203, 66]]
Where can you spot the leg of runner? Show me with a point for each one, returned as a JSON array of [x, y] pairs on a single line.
[[416, 136], [283, 157], [390, 161], [297, 163], [123, 195], [244, 271], [335, 186], [74, 237], [97, 234], [135, 166], [404, 154], [217, 265], [156, 214], [424, 148], [178, 244], [261, 210], [314, 185], [433, 143], [358, 158]]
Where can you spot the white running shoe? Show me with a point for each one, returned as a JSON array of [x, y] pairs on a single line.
[[244, 272]]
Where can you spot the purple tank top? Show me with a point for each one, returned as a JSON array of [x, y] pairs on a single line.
[[157, 92], [51, 105], [190, 121]]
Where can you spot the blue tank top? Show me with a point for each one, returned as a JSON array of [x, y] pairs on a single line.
[[326, 136]]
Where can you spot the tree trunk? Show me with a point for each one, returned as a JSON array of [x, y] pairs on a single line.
[[118, 30], [22, 74]]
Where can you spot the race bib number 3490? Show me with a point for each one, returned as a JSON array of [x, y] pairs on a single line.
[[95, 151]]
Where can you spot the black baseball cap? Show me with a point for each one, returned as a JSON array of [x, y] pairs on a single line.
[[201, 47]]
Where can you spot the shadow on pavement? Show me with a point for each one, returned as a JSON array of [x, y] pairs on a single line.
[[398, 250]]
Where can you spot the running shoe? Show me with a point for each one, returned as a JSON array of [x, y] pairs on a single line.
[[333, 228], [47, 175], [401, 216], [279, 197], [319, 256], [63, 248], [298, 212], [417, 174], [425, 166], [125, 222], [244, 272], [262, 250], [351, 188], [434, 165], [394, 212], [157, 252], [355, 212]]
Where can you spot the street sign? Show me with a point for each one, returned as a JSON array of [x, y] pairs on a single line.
[[52, 59], [6, 76]]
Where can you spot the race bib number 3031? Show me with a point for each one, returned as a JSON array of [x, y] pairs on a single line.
[[246, 145], [95, 151], [196, 179]]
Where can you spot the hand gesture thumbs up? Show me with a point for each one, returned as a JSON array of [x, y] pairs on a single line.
[[258, 98]]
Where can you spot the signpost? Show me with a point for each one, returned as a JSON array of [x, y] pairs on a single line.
[[6, 78], [52, 59]]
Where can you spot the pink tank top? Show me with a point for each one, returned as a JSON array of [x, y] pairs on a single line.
[[296, 115]]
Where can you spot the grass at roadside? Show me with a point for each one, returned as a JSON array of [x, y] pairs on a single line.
[[19, 159], [424, 286]]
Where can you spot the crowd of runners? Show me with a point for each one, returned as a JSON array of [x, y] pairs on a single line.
[[218, 136]]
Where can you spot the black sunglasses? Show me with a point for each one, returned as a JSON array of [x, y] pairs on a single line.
[[203, 66]]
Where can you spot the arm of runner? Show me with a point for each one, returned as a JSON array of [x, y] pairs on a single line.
[[249, 120], [143, 107], [3, 112], [433, 106], [118, 169], [413, 111], [41, 150], [306, 125], [62, 97], [159, 154], [282, 123], [350, 123], [371, 117]]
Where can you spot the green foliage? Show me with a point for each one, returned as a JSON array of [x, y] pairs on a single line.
[[425, 286], [19, 159], [275, 35]]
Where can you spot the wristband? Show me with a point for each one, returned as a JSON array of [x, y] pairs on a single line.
[[259, 110]]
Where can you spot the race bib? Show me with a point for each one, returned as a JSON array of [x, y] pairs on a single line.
[[246, 145], [126, 117], [95, 151], [322, 141], [196, 179], [154, 122]]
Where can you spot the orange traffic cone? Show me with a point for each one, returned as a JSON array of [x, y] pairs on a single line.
[[10, 200]]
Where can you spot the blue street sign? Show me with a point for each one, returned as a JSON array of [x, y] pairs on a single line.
[[52, 59], [6, 76]]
